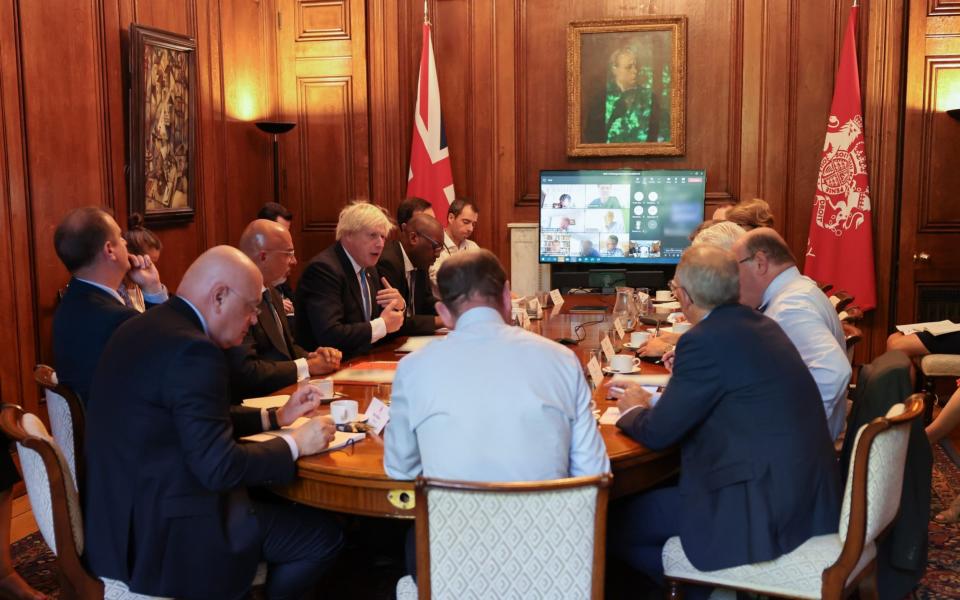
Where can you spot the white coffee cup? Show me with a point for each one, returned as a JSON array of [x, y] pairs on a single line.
[[639, 337], [624, 363], [344, 411], [682, 327], [325, 386], [664, 295]]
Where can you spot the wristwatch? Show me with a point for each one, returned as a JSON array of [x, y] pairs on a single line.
[[272, 417]]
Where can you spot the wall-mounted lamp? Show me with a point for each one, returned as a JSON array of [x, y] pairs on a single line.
[[954, 113], [275, 128]]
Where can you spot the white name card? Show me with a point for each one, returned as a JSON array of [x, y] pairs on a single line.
[[596, 373], [618, 325], [557, 298], [607, 346], [378, 414]]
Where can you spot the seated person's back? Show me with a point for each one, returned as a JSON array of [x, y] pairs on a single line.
[[491, 402]]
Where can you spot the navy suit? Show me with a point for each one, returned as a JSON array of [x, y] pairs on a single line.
[[84, 321], [391, 266], [758, 473], [263, 363], [329, 304], [172, 516]]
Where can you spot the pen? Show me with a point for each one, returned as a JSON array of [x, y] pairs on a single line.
[[616, 389]]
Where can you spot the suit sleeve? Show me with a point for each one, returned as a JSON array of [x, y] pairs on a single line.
[[321, 289], [197, 398], [693, 391], [251, 375]]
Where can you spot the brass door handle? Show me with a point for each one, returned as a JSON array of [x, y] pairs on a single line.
[[921, 257]]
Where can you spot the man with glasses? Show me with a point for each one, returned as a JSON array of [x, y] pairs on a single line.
[[771, 282], [269, 359], [758, 474], [173, 515], [405, 263]]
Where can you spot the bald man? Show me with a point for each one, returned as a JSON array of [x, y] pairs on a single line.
[[269, 359], [166, 478]]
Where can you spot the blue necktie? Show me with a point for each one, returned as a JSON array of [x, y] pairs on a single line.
[[365, 292], [122, 290]]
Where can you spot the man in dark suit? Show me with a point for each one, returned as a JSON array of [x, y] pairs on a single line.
[[758, 474], [405, 263], [274, 211], [90, 245], [172, 515], [269, 359], [341, 300]]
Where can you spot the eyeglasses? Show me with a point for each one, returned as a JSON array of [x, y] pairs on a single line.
[[747, 259], [289, 253], [252, 306], [433, 243], [674, 286]]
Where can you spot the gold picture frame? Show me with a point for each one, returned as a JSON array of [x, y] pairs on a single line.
[[622, 76]]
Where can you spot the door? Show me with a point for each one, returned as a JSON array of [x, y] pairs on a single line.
[[928, 279]]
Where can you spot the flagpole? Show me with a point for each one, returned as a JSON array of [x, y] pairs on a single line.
[[426, 16]]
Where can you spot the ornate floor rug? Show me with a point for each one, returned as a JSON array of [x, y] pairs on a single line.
[[35, 562]]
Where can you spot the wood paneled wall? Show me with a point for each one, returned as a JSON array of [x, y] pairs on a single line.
[[64, 141], [759, 86]]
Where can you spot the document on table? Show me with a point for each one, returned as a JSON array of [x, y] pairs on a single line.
[[267, 401], [932, 327], [645, 380], [415, 342], [379, 371], [340, 438]]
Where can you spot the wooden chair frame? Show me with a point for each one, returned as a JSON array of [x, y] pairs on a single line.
[[834, 577], [75, 580], [424, 485], [46, 378]]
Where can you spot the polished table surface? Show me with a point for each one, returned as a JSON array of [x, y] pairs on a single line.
[[352, 479]]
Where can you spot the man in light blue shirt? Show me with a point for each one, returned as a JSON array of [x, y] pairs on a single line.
[[490, 402], [770, 281]]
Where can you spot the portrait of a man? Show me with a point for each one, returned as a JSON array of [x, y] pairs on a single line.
[[626, 82]]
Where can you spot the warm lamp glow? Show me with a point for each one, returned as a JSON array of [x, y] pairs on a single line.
[[243, 100]]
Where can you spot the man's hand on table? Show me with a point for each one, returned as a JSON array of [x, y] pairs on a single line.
[[302, 403], [314, 436], [629, 395], [324, 360], [655, 346]]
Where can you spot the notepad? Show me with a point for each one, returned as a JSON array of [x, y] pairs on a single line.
[[931, 327], [267, 401], [659, 380], [379, 371], [416, 342]]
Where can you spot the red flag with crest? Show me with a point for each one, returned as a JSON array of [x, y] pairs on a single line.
[[840, 242], [430, 176]]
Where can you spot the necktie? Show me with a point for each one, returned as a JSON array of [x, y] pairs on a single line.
[[365, 292], [272, 310], [122, 290], [412, 286]]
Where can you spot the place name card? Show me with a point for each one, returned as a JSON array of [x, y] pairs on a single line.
[[618, 325], [557, 298], [607, 346], [596, 373], [378, 414]]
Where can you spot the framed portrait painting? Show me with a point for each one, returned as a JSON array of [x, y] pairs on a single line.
[[163, 80], [626, 80]]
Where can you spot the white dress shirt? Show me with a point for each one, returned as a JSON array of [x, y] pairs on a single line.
[[492, 402], [449, 249], [810, 321], [378, 328], [157, 298]]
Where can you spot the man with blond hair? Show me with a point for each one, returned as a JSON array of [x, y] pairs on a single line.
[[341, 300]]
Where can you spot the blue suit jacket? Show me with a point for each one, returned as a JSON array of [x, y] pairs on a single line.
[[171, 514], [85, 319], [758, 473]]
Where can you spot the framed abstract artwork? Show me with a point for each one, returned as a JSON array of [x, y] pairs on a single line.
[[626, 81], [163, 82]]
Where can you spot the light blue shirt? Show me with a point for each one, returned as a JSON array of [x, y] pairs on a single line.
[[158, 298], [811, 322], [492, 402]]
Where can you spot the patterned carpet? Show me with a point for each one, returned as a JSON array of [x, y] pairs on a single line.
[[375, 579]]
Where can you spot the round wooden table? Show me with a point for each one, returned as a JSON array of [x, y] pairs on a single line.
[[352, 479]]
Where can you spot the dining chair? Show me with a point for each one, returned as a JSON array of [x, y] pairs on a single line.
[[540, 539], [840, 300], [67, 418], [832, 565]]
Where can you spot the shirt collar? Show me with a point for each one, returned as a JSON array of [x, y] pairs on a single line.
[[779, 282], [479, 315], [407, 265], [356, 266], [113, 293], [448, 242], [199, 314]]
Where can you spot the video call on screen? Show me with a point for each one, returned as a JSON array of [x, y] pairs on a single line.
[[618, 216]]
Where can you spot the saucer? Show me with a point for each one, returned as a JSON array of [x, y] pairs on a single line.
[[609, 371], [335, 396], [631, 346]]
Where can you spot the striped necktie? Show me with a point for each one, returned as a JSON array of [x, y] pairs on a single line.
[[365, 293]]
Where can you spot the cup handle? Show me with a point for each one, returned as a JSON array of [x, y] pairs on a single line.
[[637, 362]]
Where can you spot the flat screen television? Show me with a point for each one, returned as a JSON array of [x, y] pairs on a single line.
[[618, 217]]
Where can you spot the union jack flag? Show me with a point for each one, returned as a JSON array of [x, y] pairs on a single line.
[[430, 175]]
